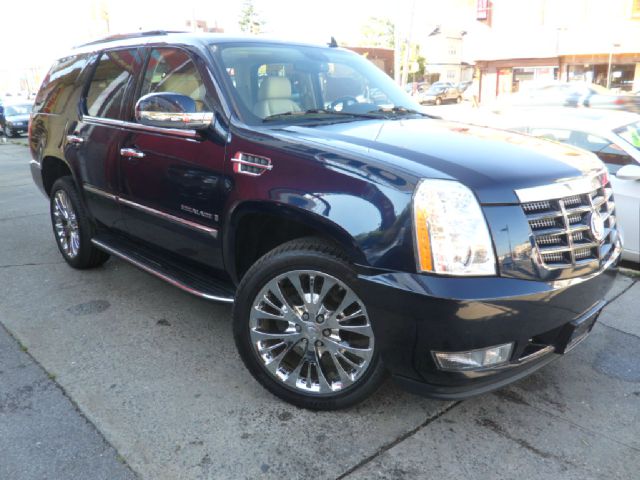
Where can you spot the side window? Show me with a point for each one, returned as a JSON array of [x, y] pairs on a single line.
[[172, 70], [613, 156], [108, 86], [59, 84]]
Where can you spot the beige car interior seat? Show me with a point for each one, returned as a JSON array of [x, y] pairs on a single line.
[[274, 97], [188, 84]]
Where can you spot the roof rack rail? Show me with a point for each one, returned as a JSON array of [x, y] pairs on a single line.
[[126, 36]]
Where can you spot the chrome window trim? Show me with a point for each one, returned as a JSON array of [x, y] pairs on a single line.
[[152, 211], [577, 186], [100, 192], [110, 122]]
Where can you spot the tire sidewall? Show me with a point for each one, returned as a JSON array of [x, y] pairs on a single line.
[[85, 228], [263, 271]]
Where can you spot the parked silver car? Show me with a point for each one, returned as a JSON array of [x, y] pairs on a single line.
[[574, 94], [613, 136]]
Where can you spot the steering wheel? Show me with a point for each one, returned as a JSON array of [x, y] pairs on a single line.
[[342, 102]]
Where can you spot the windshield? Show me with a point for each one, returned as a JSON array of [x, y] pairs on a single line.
[[11, 110], [631, 133], [275, 82]]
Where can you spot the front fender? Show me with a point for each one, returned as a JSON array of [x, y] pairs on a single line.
[[289, 213]]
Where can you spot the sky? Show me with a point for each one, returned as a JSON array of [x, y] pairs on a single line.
[[48, 28]]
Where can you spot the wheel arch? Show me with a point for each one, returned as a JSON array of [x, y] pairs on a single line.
[[250, 221], [53, 168]]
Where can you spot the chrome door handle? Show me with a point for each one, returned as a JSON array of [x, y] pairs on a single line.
[[74, 139], [131, 153]]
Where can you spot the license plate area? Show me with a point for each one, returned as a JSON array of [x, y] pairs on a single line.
[[576, 331]]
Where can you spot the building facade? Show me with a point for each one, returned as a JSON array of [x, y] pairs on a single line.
[[522, 42]]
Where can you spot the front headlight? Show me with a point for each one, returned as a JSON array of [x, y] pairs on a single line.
[[451, 234]]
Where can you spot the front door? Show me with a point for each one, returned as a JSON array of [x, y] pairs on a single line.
[[171, 179]]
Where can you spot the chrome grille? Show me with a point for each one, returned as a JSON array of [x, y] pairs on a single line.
[[563, 228]]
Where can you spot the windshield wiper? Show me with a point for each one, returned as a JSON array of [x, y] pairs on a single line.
[[402, 111], [315, 111]]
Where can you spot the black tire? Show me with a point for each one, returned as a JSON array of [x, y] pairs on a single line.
[[8, 132], [303, 254], [87, 256]]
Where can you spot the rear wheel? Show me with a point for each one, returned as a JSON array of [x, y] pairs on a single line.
[[302, 329], [72, 227]]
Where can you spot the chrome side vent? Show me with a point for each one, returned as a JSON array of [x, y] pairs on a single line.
[[249, 164]]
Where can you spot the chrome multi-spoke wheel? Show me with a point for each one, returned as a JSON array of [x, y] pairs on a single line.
[[73, 228], [65, 224], [302, 328], [311, 332]]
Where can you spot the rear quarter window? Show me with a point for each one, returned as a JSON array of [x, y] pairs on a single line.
[[59, 84]]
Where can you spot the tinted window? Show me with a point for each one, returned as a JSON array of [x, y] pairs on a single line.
[[172, 70], [108, 86], [58, 85]]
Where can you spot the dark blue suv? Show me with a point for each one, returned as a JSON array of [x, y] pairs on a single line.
[[353, 234]]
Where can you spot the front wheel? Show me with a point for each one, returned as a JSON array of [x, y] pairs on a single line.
[[8, 132], [303, 330]]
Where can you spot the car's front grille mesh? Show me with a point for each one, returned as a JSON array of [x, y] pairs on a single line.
[[573, 230]]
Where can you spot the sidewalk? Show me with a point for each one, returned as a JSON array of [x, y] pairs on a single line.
[[42, 433]]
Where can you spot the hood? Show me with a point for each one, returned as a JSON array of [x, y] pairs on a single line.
[[493, 163], [18, 118]]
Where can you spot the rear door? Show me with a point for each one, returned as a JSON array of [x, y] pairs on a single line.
[[171, 179], [96, 139]]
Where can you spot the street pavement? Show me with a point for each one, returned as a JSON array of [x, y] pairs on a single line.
[[155, 371], [42, 434]]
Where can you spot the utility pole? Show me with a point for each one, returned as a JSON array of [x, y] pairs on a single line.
[[397, 50], [407, 53], [615, 45]]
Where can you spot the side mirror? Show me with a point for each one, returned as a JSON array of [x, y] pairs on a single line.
[[629, 172], [171, 110]]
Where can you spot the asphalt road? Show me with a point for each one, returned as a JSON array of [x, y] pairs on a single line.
[[154, 372]]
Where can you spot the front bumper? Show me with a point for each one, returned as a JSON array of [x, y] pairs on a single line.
[[19, 128], [414, 315]]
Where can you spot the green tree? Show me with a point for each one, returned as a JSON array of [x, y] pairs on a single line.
[[378, 32], [250, 21]]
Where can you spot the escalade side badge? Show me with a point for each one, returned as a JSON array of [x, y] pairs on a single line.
[[249, 164]]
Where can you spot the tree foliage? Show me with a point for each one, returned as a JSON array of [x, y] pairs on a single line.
[[250, 21], [378, 32]]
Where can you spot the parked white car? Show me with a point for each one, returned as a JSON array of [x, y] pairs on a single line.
[[614, 136]]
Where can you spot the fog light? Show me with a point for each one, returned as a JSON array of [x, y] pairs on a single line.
[[474, 359]]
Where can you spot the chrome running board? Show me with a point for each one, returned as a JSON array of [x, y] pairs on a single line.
[[185, 279]]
